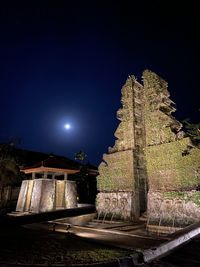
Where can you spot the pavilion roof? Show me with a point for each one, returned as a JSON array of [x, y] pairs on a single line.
[[53, 165]]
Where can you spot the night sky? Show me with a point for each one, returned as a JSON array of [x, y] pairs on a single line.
[[66, 63]]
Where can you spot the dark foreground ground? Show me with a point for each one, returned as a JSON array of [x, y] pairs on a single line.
[[186, 256], [21, 245]]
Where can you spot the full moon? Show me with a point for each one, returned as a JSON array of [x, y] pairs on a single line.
[[67, 126]]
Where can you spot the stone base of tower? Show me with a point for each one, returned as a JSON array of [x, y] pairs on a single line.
[[43, 195], [117, 205], [173, 208]]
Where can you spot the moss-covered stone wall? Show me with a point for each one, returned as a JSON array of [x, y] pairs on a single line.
[[150, 146], [121, 168], [116, 172], [172, 161], [160, 126], [173, 166]]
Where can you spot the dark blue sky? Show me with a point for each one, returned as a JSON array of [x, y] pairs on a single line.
[[67, 63]]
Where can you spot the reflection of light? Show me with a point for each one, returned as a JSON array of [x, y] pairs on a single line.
[[67, 126], [87, 235]]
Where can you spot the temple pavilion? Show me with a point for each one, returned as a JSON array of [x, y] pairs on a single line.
[[49, 189], [51, 168]]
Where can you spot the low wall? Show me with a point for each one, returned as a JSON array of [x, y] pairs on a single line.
[[115, 205], [173, 208]]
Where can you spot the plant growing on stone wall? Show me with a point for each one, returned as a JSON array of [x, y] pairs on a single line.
[[170, 169], [192, 130], [193, 196]]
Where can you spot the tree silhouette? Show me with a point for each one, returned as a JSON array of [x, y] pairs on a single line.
[[9, 170], [81, 155]]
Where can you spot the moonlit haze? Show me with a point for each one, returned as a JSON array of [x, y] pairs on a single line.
[[67, 126]]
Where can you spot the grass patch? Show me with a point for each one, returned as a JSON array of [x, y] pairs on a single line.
[[26, 246]]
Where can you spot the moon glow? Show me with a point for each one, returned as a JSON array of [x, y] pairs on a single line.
[[67, 126]]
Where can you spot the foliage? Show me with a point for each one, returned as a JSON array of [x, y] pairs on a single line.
[[9, 170], [81, 155], [82, 180], [81, 175], [192, 130]]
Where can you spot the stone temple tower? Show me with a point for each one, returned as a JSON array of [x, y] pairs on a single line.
[[122, 179], [152, 158]]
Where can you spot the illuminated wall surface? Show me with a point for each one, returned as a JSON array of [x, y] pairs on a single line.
[[148, 158], [42, 195]]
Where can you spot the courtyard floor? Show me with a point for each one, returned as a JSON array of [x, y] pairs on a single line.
[[20, 245], [57, 243]]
